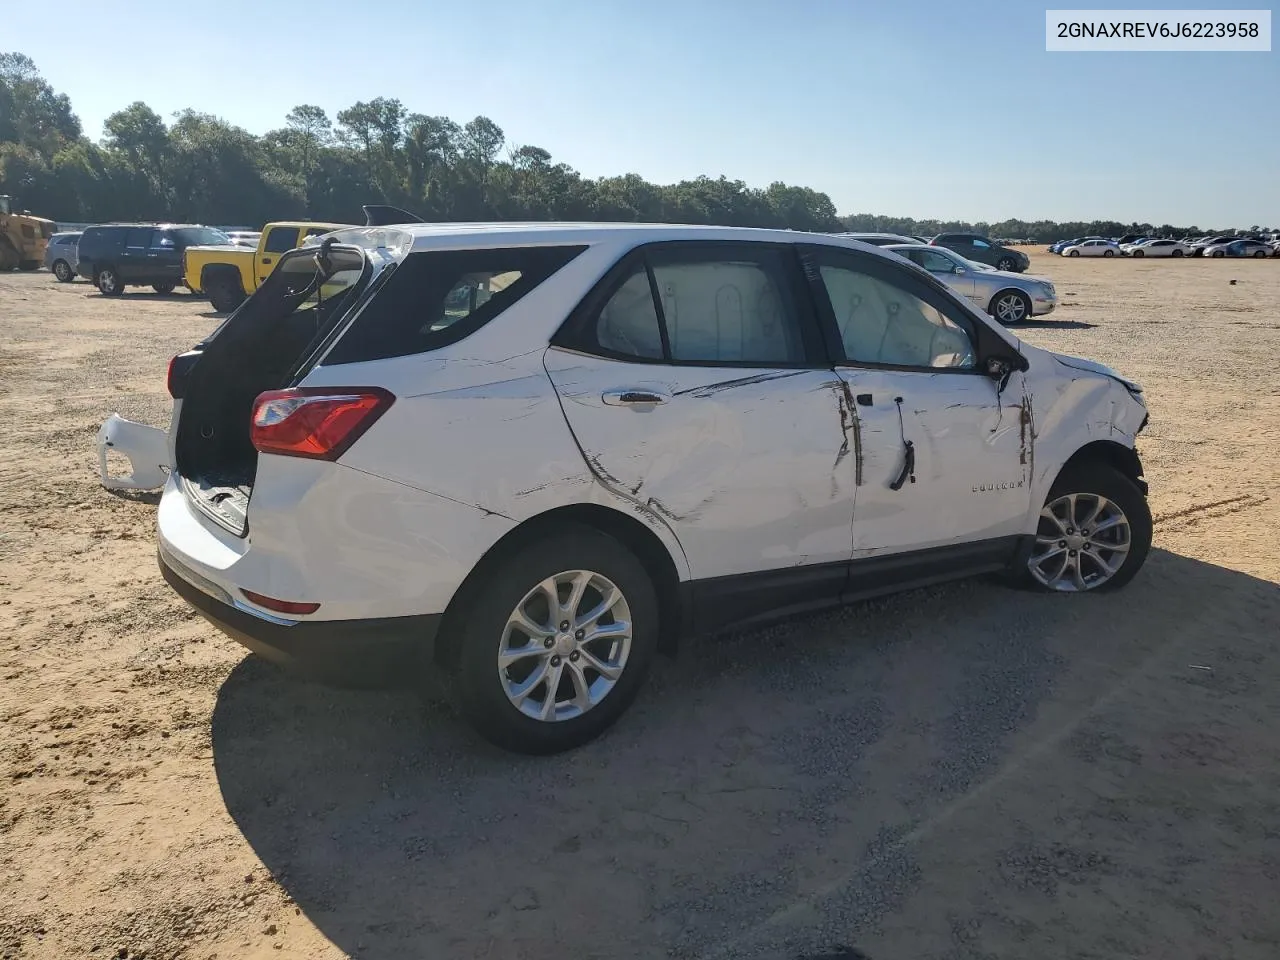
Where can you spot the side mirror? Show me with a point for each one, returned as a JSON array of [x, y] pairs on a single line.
[[958, 271], [998, 369]]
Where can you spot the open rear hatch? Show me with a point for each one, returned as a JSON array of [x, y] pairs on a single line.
[[269, 343]]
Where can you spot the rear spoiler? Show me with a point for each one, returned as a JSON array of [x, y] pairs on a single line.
[[382, 215]]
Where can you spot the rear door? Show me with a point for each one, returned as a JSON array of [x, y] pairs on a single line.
[[695, 381], [945, 454], [134, 259], [276, 241], [164, 259]]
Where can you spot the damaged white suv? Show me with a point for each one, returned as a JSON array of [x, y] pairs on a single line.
[[529, 456]]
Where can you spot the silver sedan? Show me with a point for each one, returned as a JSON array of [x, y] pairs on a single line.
[[1009, 297]]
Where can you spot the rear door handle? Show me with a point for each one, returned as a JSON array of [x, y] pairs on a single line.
[[633, 398], [864, 400]]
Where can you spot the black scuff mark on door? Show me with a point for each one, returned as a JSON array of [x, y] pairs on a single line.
[[1027, 453], [850, 423], [711, 389]]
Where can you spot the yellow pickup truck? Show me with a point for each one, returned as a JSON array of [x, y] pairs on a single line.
[[228, 274]]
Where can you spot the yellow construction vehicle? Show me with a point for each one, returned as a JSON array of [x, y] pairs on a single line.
[[23, 238]]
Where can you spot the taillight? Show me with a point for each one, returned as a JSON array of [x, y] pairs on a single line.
[[320, 423], [280, 606]]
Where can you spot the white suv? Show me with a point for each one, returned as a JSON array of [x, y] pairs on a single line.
[[531, 455]]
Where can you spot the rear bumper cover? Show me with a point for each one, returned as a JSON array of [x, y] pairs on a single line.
[[391, 651]]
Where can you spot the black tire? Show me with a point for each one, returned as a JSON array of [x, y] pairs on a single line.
[[1108, 253], [62, 270], [163, 288], [1102, 479], [1136, 253], [476, 688], [26, 266], [1073, 253], [1178, 253], [1259, 253], [1020, 296], [1007, 263], [224, 295], [1218, 253], [107, 280]]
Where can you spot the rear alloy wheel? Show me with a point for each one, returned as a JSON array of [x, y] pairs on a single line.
[[1177, 253], [556, 643], [62, 270], [1010, 306], [1094, 532], [1006, 263], [1108, 253], [163, 288], [1259, 253], [108, 282]]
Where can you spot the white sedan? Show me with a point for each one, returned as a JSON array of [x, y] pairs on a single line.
[[1093, 248], [1157, 248]]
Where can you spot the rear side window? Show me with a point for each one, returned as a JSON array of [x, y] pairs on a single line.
[[433, 299], [138, 238]]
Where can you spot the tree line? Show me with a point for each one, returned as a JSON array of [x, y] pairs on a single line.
[[198, 168]]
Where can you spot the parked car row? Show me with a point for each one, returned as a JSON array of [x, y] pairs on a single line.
[[1135, 246]]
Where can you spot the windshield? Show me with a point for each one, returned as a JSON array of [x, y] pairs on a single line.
[[202, 237]]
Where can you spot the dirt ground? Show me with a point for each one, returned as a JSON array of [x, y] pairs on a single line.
[[962, 772]]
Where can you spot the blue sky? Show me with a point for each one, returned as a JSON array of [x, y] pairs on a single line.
[[924, 109]]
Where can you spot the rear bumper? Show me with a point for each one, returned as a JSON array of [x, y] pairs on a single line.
[[390, 651]]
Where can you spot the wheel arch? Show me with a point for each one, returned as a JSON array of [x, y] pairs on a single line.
[[1010, 289], [220, 271], [630, 532], [1125, 459]]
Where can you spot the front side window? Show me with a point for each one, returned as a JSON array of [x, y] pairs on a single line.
[[933, 262], [282, 240], [201, 237], [881, 323]]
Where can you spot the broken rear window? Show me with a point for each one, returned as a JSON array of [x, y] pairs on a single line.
[[439, 297]]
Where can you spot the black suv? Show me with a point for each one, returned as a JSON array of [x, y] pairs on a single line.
[[974, 246], [118, 255]]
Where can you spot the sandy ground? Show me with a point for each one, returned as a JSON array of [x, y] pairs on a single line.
[[963, 772]]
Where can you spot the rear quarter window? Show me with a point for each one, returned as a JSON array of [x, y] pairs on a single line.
[[435, 298]]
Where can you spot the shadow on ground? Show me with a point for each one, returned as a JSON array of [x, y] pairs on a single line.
[[1038, 324], [771, 794]]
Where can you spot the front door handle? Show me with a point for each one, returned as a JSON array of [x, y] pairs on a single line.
[[633, 397], [864, 400], [266, 261]]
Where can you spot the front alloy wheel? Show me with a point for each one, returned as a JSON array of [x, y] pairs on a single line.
[[1081, 542], [1094, 532], [1011, 307]]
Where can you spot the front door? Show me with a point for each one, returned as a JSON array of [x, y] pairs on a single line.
[[946, 454], [945, 268], [277, 241], [696, 384]]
